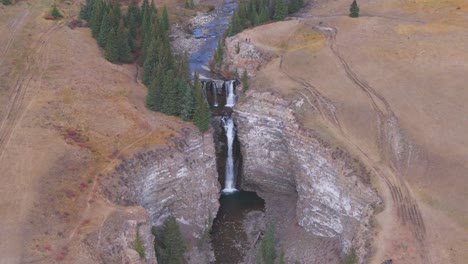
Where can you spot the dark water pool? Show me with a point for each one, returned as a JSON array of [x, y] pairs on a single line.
[[228, 235]]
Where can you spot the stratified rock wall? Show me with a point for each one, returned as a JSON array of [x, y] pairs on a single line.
[[280, 156], [177, 178]]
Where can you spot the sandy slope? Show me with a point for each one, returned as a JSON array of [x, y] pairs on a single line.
[[67, 117], [391, 87]]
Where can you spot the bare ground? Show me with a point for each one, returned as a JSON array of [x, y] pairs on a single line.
[[389, 87], [68, 116]]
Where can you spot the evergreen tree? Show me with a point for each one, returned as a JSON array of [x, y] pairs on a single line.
[[165, 20], [112, 47], [219, 53], [86, 9], [153, 100], [170, 104], [96, 18], [151, 62], [295, 5], [201, 115], [104, 31], [6, 2], [280, 10], [236, 24], [354, 9], [55, 12], [245, 80], [124, 51], [169, 243], [264, 15], [187, 104], [267, 252]]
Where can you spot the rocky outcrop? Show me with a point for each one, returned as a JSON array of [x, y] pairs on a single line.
[[241, 55], [177, 178], [280, 156], [116, 241]]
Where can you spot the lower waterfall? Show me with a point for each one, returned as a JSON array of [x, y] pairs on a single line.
[[241, 213], [229, 181]]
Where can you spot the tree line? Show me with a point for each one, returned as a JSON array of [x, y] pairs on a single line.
[[141, 35], [255, 12]]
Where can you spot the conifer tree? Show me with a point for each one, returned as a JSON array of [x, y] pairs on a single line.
[[112, 47], [354, 9], [104, 31], [124, 51], [170, 104], [294, 6], [267, 253], [169, 243], [264, 15], [245, 80], [96, 18], [187, 104], [86, 9], [165, 19], [280, 10], [153, 100], [201, 115], [55, 12], [151, 62], [6, 2]]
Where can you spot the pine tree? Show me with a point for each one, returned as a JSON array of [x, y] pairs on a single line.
[[294, 6], [201, 115], [165, 19], [124, 51], [150, 63], [112, 47], [104, 30], [354, 9], [55, 12], [96, 18], [264, 15], [153, 98], [245, 80], [169, 243], [280, 10], [267, 252], [86, 9], [170, 104], [6, 2], [187, 102]]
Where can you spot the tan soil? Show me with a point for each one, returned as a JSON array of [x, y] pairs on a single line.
[[68, 116], [390, 87]]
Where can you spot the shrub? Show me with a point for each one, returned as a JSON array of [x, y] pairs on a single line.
[[6, 2], [351, 257], [138, 244]]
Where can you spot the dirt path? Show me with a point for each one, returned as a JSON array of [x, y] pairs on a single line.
[[15, 26], [16, 106]]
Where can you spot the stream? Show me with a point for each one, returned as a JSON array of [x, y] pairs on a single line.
[[228, 234]]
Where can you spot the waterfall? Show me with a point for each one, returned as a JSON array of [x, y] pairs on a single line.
[[229, 181], [231, 97], [214, 90]]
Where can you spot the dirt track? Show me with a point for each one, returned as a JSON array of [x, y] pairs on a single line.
[[364, 90]]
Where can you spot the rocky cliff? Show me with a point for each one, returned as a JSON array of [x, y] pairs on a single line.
[[176, 178], [334, 197]]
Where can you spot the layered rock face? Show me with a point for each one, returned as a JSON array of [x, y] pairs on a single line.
[[114, 241], [176, 178], [280, 156]]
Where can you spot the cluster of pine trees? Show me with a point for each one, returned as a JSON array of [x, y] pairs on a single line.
[[142, 35], [255, 12], [169, 243]]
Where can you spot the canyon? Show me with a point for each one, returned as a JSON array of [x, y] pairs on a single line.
[[344, 133]]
